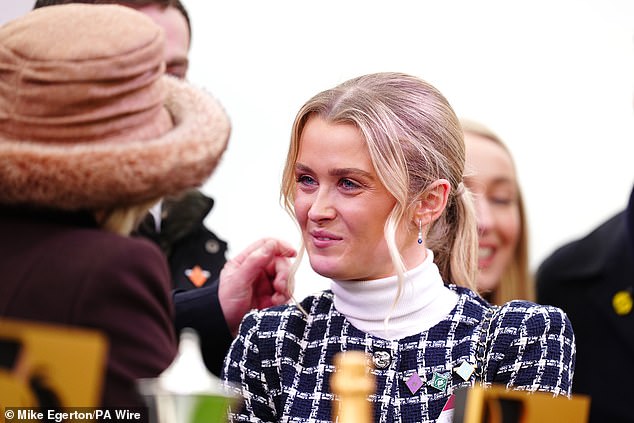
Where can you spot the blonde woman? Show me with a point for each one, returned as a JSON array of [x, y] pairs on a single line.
[[374, 177], [491, 176]]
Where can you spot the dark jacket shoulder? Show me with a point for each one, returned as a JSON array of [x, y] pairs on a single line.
[[586, 256]]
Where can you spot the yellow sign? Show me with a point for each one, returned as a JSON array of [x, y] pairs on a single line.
[[50, 363], [497, 404]]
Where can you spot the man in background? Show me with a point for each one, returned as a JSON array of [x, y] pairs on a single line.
[[592, 280]]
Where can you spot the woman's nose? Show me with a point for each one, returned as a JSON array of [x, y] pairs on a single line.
[[322, 207], [484, 216]]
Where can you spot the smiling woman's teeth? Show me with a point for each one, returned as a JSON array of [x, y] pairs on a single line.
[[485, 252]]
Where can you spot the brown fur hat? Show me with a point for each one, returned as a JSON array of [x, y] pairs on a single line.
[[88, 119]]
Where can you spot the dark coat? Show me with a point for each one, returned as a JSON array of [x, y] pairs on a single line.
[[186, 241], [60, 268], [200, 309], [582, 278]]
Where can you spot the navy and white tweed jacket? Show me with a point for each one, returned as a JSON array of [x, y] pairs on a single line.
[[281, 361]]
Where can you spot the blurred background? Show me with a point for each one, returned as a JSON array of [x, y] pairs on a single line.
[[554, 78]]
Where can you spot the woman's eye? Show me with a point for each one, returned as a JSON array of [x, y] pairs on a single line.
[[179, 71], [503, 201], [305, 180], [348, 184]]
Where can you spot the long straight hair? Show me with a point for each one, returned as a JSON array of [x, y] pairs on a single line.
[[516, 281]]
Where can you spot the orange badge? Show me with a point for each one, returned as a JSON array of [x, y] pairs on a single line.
[[197, 276]]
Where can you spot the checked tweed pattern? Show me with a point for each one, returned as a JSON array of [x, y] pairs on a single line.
[[281, 361]]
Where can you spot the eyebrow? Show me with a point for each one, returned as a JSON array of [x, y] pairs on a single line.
[[503, 181], [495, 179], [345, 171], [179, 61], [495, 182]]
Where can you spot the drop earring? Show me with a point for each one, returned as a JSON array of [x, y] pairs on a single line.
[[420, 231]]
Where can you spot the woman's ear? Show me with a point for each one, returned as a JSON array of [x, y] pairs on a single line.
[[433, 201]]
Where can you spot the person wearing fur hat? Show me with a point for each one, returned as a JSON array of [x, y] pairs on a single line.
[[92, 133], [216, 308], [195, 254]]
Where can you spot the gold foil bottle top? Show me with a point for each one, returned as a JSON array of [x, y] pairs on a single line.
[[352, 383]]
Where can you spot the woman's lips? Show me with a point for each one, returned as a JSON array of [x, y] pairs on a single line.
[[324, 239]]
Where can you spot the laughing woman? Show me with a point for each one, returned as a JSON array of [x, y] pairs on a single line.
[[374, 177], [490, 175]]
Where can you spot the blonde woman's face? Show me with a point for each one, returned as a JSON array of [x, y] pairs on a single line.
[[491, 178], [341, 205]]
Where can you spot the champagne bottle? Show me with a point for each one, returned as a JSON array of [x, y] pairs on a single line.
[[352, 383]]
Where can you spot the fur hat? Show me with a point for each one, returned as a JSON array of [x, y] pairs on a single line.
[[89, 120]]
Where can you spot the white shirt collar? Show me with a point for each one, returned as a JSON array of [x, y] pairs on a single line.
[[155, 211]]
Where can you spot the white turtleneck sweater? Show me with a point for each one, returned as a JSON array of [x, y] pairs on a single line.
[[424, 302]]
